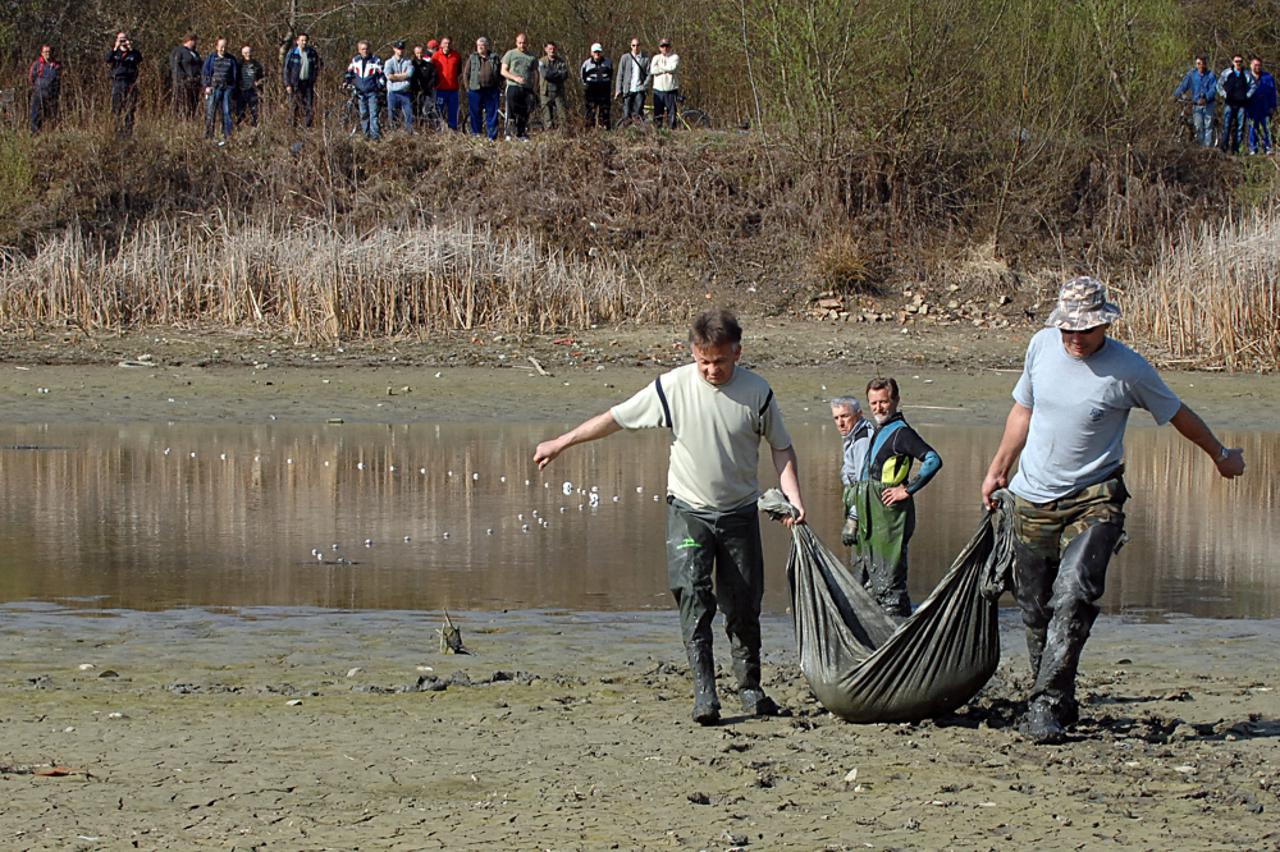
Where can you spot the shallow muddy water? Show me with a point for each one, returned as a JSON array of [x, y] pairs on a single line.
[[421, 517]]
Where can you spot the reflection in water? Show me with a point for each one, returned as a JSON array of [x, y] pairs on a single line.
[[151, 517]]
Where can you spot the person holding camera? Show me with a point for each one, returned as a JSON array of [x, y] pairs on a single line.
[[124, 62]]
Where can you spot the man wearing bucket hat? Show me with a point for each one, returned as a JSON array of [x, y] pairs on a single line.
[[1066, 431]]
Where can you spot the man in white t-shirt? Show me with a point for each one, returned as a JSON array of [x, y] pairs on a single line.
[[1066, 431], [717, 413]]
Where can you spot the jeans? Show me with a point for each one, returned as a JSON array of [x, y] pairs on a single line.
[[633, 105], [368, 103], [304, 102], [404, 102], [1232, 128], [219, 100], [447, 106], [484, 104], [1202, 123], [664, 108], [247, 104], [1260, 130]]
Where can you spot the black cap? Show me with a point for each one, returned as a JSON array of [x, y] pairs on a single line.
[[398, 45]]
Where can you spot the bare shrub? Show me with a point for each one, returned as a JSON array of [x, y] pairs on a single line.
[[841, 264], [1214, 299]]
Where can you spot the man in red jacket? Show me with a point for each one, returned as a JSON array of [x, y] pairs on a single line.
[[448, 64], [45, 77]]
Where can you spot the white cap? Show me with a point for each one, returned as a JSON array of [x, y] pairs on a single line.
[[597, 46]]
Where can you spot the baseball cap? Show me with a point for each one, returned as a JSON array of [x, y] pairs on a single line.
[[597, 48], [433, 44], [666, 42]]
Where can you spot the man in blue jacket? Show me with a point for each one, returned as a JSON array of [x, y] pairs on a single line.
[[221, 78], [1234, 87], [301, 69], [364, 74], [1262, 103], [1200, 86]]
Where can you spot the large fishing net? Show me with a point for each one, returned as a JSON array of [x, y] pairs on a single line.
[[865, 666]]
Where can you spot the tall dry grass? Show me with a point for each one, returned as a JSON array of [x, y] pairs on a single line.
[[320, 282], [1213, 301]]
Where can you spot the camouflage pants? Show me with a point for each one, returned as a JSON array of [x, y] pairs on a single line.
[[1063, 550], [702, 545]]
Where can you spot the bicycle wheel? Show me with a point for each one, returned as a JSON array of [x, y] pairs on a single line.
[[695, 118]]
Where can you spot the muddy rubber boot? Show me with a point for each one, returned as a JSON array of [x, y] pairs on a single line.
[[706, 706], [754, 700], [1041, 724]]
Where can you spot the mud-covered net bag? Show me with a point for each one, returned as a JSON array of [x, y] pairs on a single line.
[[865, 666]]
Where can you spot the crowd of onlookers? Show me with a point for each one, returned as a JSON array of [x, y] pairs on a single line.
[[424, 85], [1248, 96]]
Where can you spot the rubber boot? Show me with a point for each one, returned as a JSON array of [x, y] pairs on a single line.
[[1053, 705], [702, 665], [754, 700]]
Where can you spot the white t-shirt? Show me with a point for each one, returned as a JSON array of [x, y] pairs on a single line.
[[1079, 410], [715, 433]]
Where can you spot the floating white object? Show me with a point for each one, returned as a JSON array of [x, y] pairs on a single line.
[[475, 477], [368, 542], [359, 465]]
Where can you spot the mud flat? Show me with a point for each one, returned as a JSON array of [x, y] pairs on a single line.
[[307, 729]]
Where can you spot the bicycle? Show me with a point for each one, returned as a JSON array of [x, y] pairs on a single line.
[[346, 114], [688, 118]]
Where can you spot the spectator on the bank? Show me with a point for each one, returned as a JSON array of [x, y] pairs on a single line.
[[448, 64], [520, 69], [597, 83], [398, 71], [432, 47], [301, 70], [423, 86], [364, 74], [633, 71], [664, 72], [1234, 87], [484, 76], [221, 77], [1199, 86], [1261, 106], [553, 75], [248, 94], [45, 77], [125, 63], [185, 70]]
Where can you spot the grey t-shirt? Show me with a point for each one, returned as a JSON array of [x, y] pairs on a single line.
[[715, 433], [1079, 410]]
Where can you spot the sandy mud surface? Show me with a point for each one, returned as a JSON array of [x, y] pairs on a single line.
[[322, 730]]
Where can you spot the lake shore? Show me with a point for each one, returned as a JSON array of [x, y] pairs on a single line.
[[317, 729]]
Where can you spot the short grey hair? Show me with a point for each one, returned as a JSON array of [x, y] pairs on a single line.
[[483, 40], [849, 402]]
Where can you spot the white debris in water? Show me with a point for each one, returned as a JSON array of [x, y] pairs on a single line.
[[223, 456], [422, 471], [392, 468], [193, 454], [502, 479], [289, 461], [166, 451], [368, 542], [639, 489], [359, 465], [616, 498], [475, 477], [86, 667]]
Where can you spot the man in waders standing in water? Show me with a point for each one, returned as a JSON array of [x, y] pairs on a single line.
[[1070, 408], [716, 412]]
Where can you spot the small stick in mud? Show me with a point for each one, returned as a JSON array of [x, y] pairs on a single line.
[[450, 637]]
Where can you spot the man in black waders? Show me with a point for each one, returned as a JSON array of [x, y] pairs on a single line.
[[1066, 431], [717, 412]]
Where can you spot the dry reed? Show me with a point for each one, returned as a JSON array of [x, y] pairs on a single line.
[[320, 282], [1213, 301]]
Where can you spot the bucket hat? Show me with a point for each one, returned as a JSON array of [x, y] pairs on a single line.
[[1082, 304]]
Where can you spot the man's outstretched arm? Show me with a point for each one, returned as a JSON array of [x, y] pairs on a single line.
[[1230, 462], [597, 427], [1016, 427]]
